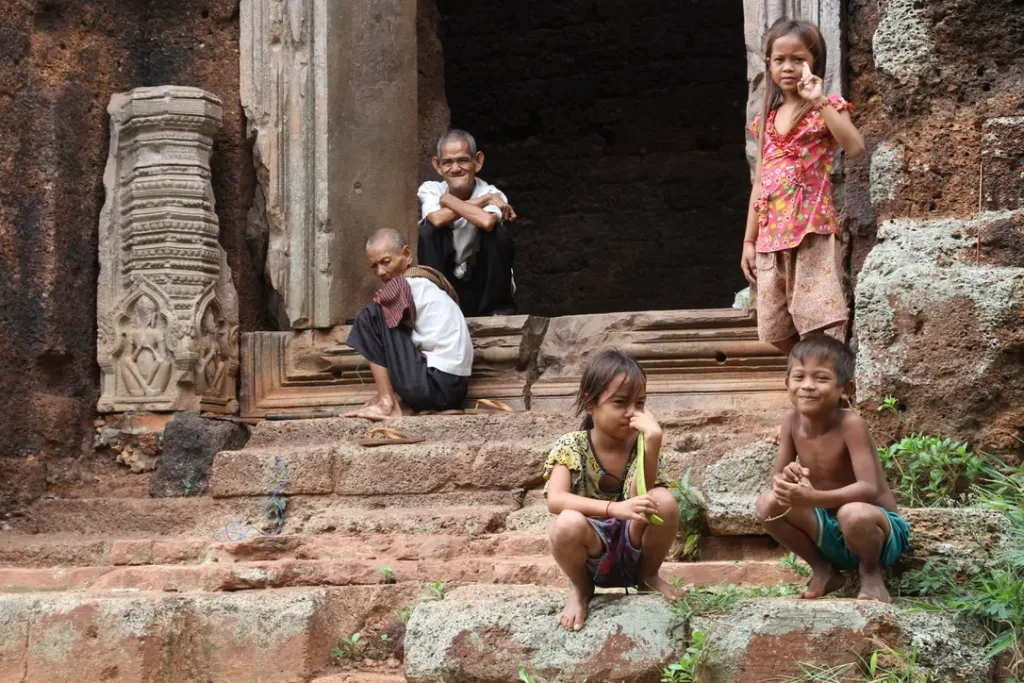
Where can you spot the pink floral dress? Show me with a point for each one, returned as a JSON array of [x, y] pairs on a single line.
[[796, 187]]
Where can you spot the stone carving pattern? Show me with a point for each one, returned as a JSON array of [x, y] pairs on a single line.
[[167, 310]]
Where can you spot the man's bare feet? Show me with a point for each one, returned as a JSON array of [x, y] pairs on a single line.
[[823, 582], [383, 409], [576, 607], [872, 587], [661, 586]]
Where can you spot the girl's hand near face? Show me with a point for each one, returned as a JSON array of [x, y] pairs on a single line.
[[645, 423], [810, 86]]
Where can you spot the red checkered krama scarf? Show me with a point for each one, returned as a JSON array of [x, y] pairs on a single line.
[[395, 297]]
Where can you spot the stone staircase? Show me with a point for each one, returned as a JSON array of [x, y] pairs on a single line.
[[262, 569], [213, 588]]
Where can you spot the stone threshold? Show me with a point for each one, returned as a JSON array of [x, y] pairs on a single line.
[[709, 359]]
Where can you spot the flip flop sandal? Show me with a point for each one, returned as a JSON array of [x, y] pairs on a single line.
[[491, 407], [382, 436]]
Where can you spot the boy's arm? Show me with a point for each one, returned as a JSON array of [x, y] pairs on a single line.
[[787, 449], [863, 457]]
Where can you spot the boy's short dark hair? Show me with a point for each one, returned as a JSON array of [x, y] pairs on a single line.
[[825, 348]]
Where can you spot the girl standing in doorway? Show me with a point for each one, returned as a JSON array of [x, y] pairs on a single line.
[[790, 251]]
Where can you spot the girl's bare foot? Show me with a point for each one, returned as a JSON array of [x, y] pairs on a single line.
[[823, 582], [872, 587], [662, 586], [576, 607]]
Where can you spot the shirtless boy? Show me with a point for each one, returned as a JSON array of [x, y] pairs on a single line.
[[834, 508]]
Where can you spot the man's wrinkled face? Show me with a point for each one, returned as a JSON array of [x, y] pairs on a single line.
[[386, 261], [457, 166]]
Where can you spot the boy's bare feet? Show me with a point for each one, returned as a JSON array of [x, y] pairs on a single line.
[[823, 582], [576, 607], [775, 436], [872, 587], [662, 586]]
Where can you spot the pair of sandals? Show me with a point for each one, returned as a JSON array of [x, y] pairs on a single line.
[[385, 436]]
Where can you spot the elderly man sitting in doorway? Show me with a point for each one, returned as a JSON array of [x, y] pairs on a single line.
[[462, 229], [413, 334]]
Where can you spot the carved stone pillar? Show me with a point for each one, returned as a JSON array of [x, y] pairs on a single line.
[[167, 310], [330, 93], [759, 15]]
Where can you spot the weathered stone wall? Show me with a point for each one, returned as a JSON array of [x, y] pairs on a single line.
[[926, 77], [940, 93], [617, 131], [60, 61]]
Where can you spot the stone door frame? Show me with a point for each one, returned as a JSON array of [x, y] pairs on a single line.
[[330, 92]]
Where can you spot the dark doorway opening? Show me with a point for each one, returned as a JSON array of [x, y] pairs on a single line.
[[616, 128]]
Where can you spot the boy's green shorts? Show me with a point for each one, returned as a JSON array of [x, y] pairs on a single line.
[[830, 541]]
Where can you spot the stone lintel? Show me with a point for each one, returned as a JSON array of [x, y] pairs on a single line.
[[309, 370], [700, 359], [693, 359]]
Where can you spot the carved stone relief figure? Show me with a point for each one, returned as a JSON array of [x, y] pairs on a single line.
[[144, 364]]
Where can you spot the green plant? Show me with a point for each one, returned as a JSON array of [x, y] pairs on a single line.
[[692, 665], [388, 574], [890, 404], [793, 562], [821, 673], [349, 648], [691, 517], [988, 590], [887, 665], [716, 599], [436, 592], [930, 471], [186, 486], [403, 614], [884, 665]]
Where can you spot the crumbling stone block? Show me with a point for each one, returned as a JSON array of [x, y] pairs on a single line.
[[481, 634], [190, 443], [942, 332]]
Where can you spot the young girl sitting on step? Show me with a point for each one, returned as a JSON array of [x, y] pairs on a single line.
[[790, 251], [608, 533]]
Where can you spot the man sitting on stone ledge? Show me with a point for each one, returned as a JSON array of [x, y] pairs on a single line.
[[462, 229], [413, 334]]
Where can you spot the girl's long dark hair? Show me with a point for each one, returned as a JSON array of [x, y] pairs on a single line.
[[811, 37], [599, 373]]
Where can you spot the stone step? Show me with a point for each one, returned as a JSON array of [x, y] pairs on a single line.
[[481, 634], [292, 573], [284, 636], [62, 550], [522, 426], [349, 469], [361, 677], [471, 512]]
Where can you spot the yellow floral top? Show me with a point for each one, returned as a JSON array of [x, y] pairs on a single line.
[[574, 451]]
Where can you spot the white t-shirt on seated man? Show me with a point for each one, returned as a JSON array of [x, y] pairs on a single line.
[[440, 333]]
